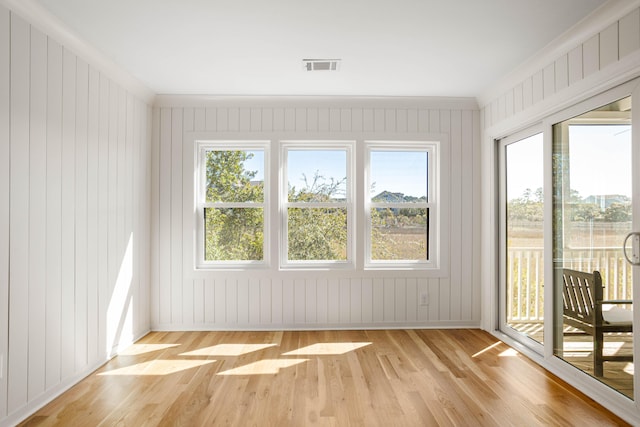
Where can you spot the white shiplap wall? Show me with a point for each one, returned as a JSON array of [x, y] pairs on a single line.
[[272, 299], [74, 203], [606, 50]]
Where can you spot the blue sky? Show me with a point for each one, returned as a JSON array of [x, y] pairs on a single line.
[[600, 161], [394, 171]]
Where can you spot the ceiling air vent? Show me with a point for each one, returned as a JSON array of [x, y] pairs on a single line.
[[321, 64]]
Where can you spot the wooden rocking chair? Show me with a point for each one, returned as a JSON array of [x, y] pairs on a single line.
[[585, 310]]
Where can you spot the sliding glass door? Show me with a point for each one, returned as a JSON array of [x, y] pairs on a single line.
[[569, 238], [522, 237], [592, 215]]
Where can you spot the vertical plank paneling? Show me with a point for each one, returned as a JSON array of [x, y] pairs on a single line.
[[256, 119], [450, 299], [300, 301], [5, 117], [210, 300], [93, 129], [355, 299], [322, 289], [591, 55], [345, 300], [311, 302], [242, 302], [17, 361], [561, 73], [155, 216], [189, 302], [629, 33], [334, 120], [103, 213], [527, 93], [518, 100], [176, 216], [164, 231], [301, 119], [288, 308], [68, 212], [312, 120], [345, 120], [244, 120], [412, 299], [434, 286], [323, 119], [276, 302], [81, 223], [233, 119], [333, 301], [37, 213], [400, 311], [289, 119], [378, 299], [537, 85], [367, 120], [265, 302], [222, 119], [204, 119], [278, 119], [367, 300], [389, 299], [231, 307], [476, 190], [220, 298], [379, 120], [422, 311], [112, 210], [254, 301], [609, 45], [356, 119], [467, 210], [549, 80], [199, 301], [575, 65], [267, 119]]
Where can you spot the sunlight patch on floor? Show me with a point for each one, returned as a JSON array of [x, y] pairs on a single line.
[[137, 349], [264, 367], [484, 350], [228, 350], [508, 353], [328, 348], [158, 367]]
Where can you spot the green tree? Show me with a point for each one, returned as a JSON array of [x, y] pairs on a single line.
[[233, 233], [317, 233]]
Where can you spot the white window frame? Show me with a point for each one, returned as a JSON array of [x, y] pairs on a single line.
[[348, 204], [201, 147], [434, 203]]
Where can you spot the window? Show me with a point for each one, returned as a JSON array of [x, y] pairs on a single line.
[[231, 203], [401, 204], [329, 210], [316, 191]]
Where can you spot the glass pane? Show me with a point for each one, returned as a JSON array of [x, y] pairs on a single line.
[[399, 234], [235, 176], [317, 234], [233, 234], [592, 215], [317, 175], [398, 176], [524, 237]]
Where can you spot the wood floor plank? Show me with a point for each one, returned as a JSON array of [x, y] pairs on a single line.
[[323, 378]]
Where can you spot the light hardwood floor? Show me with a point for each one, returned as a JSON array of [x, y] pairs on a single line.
[[362, 378]]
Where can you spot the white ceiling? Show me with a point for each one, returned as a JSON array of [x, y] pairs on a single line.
[[256, 47]]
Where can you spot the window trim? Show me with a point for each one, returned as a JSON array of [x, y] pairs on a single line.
[[201, 147], [434, 203], [283, 248]]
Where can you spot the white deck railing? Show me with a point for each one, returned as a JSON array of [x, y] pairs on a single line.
[[525, 277]]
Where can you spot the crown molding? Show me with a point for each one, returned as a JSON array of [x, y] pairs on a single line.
[[32, 12], [418, 102]]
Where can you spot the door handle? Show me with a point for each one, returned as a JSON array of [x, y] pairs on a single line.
[[635, 247]]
